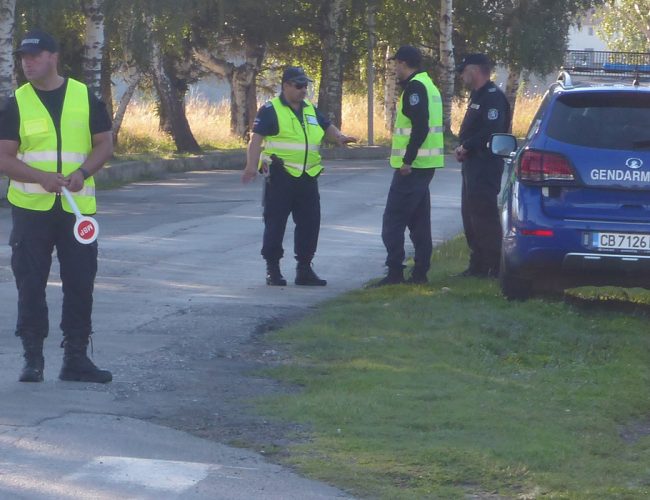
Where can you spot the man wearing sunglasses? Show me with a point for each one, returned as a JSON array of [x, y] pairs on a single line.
[[284, 146]]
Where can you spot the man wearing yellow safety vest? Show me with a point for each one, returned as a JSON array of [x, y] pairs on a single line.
[[285, 144], [417, 150], [54, 133]]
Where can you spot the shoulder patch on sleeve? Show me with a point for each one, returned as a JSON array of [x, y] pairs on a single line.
[[414, 99], [493, 114]]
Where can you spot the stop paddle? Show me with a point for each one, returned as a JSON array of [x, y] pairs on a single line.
[[86, 228]]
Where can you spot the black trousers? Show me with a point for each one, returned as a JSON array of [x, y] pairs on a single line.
[[33, 238], [408, 205], [286, 195], [480, 212]]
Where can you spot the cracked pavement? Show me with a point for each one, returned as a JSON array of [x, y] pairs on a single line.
[[181, 313]]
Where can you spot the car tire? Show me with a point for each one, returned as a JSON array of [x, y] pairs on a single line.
[[513, 287]]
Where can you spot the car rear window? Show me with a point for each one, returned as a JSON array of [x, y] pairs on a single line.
[[604, 120]]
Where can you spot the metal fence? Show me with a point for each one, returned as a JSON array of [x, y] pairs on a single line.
[[605, 63]]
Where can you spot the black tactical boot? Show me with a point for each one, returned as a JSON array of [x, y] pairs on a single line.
[[34, 361], [77, 367], [418, 277], [306, 276], [395, 276], [273, 275]]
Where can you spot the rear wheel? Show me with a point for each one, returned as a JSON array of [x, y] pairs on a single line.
[[513, 287]]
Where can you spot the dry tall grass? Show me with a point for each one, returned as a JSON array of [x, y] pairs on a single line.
[[210, 124], [524, 112]]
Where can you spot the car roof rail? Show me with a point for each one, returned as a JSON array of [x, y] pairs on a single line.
[[564, 79]]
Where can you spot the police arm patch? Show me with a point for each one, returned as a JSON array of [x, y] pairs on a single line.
[[493, 114], [414, 99]]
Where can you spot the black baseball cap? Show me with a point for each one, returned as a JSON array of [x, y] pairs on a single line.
[[295, 74], [477, 59], [36, 41], [409, 54]]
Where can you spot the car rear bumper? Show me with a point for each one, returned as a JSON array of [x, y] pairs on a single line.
[[606, 262], [565, 252]]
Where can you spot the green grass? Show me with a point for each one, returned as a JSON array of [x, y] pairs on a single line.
[[449, 390]]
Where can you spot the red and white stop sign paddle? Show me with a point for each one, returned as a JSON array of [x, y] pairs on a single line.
[[86, 228]]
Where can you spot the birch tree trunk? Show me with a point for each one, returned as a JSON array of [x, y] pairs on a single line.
[[93, 44], [330, 91], [512, 87], [172, 108], [132, 79], [242, 81], [391, 92], [243, 103], [7, 77], [447, 61]]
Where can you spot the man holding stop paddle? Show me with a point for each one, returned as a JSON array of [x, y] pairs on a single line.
[[54, 136]]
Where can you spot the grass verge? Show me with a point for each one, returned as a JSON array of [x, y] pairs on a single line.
[[450, 391]]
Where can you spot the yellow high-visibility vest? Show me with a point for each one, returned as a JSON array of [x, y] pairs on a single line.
[[431, 153], [39, 147], [296, 144]]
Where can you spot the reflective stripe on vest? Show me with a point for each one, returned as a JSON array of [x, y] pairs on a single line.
[[431, 152], [421, 152], [33, 188], [34, 156], [296, 145], [39, 147]]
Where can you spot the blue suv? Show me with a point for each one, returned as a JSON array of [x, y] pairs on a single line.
[[576, 200]]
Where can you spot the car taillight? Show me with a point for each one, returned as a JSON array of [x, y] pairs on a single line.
[[540, 166], [537, 232]]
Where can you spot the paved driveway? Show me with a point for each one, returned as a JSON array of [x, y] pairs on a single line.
[[181, 309]]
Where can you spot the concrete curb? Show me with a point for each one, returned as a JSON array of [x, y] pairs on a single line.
[[119, 172], [129, 171]]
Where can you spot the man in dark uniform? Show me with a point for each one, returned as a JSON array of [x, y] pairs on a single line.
[[286, 135], [417, 150], [53, 133], [488, 112]]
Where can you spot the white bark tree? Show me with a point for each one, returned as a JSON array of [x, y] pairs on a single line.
[[132, 77], [171, 106], [333, 35], [241, 76], [391, 91], [447, 62], [7, 77], [93, 44]]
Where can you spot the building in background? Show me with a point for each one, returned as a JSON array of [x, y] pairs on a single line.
[[585, 35]]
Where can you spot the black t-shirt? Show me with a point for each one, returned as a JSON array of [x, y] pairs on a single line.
[[100, 121]]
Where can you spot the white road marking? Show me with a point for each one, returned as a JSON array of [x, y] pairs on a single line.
[[167, 475]]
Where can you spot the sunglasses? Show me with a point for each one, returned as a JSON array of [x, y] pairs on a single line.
[[299, 86]]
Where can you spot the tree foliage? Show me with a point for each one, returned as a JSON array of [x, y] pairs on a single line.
[[626, 24], [525, 35]]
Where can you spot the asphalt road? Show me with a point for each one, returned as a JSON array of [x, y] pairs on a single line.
[[181, 309]]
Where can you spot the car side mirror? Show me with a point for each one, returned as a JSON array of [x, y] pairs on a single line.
[[502, 144]]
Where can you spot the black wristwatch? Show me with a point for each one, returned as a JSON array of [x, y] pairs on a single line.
[[84, 172]]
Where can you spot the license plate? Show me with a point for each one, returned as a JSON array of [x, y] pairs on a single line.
[[621, 241]]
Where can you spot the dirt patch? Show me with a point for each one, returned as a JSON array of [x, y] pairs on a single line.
[[206, 380]]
